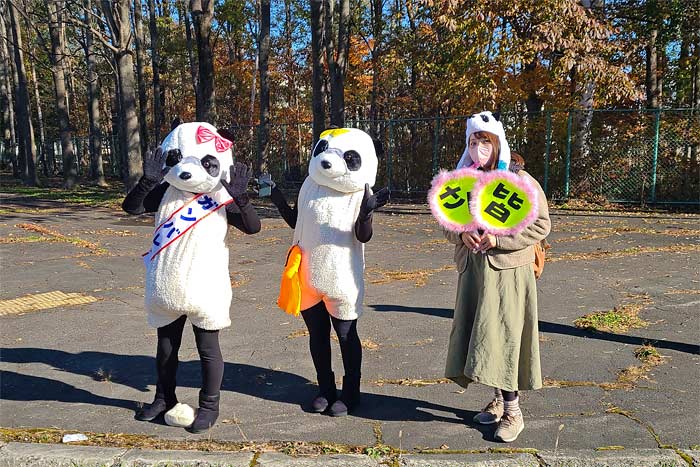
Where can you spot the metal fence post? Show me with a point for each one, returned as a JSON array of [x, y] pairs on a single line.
[[654, 163], [547, 152], [436, 146], [389, 153], [567, 172]]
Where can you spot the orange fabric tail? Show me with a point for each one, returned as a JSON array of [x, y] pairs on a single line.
[[290, 286]]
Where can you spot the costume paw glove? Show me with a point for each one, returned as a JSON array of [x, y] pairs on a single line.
[[239, 175], [370, 201], [153, 162]]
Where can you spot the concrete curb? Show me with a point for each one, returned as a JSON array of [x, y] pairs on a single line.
[[59, 455]]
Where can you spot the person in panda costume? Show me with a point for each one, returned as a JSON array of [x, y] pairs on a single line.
[[332, 221], [185, 184]]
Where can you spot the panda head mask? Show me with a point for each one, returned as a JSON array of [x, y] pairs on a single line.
[[197, 157], [344, 159]]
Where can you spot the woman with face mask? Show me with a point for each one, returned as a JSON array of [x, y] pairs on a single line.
[[494, 337]]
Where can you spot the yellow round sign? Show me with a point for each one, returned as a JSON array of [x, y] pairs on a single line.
[[449, 199], [504, 203]]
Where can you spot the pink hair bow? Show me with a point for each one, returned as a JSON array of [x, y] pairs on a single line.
[[204, 135]]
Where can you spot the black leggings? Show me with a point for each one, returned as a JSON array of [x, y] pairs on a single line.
[[169, 340], [318, 322]]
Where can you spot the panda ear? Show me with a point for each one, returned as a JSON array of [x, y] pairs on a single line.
[[378, 148], [177, 121], [223, 132], [497, 116]]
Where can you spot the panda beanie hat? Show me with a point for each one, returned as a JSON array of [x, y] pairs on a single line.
[[486, 121]]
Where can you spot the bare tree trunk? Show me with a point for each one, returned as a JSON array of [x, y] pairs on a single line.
[[585, 117], [317, 102], [127, 92], [70, 174], [193, 67], [140, 78], [202, 14], [652, 78], [695, 148], [377, 33], [32, 76], [336, 55], [253, 89], [264, 53], [158, 101], [6, 98], [24, 121], [117, 15], [97, 174], [40, 119]]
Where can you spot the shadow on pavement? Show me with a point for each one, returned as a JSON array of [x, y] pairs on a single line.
[[556, 328], [138, 372], [19, 387]]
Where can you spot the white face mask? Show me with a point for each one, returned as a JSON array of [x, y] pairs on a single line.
[[480, 153]]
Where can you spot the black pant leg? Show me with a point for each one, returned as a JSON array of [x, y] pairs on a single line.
[[318, 323], [211, 360], [350, 345], [169, 340]]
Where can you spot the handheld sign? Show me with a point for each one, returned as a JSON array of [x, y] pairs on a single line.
[[449, 199], [503, 203]]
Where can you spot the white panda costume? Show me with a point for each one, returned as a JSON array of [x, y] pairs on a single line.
[[332, 220], [180, 278], [187, 277]]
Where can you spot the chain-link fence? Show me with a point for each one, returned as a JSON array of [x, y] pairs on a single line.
[[641, 156], [634, 156]]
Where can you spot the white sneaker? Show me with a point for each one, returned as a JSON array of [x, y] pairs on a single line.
[[490, 414], [510, 427]]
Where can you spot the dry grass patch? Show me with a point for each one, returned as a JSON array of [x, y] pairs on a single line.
[[140, 441], [605, 232], [413, 382], [17, 210], [238, 279], [59, 237], [606, 386], [111, 232], [298, 333], [649, 357], [635, 251], [428, 244], [367, 344], [418, 276], [618, 320], [28, 239], [626, 378], [682, 292]]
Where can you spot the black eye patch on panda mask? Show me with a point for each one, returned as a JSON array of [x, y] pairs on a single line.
[[321, 146], [174, 156], [211, 165], [353, 160]]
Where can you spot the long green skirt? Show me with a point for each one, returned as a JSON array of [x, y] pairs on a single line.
[[494, 339]]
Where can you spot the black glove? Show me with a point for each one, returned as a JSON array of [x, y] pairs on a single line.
[[153, 164], [371, 202], [239, 175]]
